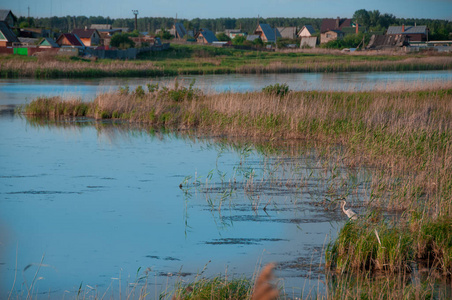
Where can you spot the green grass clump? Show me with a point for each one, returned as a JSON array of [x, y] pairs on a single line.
[[362, 245], [368, 246], [215, 288], [54, 107], [434, 244], [277, 89]]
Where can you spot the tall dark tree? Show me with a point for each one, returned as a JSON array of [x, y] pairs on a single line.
[[362, 17]]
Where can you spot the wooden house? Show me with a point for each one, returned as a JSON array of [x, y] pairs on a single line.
[[267, 34], [335, 24], [332, 29], [69, 40], [331, 35], [412, 33], [178, 30], [89, 37], [48, 43], [205, 36], [385, 42], [232, 33], [7, 17], [306, 31], [7, 36]]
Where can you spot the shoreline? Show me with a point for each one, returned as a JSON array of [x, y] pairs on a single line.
[[196, 60]]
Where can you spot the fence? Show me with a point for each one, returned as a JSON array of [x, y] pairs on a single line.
[[131, 53]]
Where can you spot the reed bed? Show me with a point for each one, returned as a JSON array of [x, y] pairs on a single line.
[[53, 67]]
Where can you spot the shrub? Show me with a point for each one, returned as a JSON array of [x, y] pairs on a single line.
[[277, 89]]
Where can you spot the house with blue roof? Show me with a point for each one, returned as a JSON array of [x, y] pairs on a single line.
[[205, 36], [267, 34]]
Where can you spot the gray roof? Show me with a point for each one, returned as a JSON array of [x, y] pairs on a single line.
[[8, 33], [408, 29], [27, 40], [4, 14], [287, 32], [208, 35], [309, 28], [252, 37], [269, 32], [100, 26]]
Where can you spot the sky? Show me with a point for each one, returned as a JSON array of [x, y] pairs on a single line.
[[190, 9]]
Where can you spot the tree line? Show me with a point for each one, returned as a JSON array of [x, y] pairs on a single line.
[[374, 21]]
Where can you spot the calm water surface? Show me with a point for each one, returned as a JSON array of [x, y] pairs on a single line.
[[101, 201], [19, 90]]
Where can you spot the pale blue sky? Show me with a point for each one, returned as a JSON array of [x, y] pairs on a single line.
[[189, 9]]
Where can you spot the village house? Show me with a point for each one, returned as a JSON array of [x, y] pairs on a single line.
[[307, 40], [266, 33], [331, 35], [287, 32], [386, 42], [8, 17], [331, 29], [232, 33], [205, 36], [7, 36], [89, 37], [412, 33], [306, 31], [178, 30], [69, 40], [48, 43]]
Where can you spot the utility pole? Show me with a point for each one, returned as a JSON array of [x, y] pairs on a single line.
[[135, 12]]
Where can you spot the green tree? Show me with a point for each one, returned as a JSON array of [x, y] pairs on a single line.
[[121, 41], [24, 24], [165, 35], [238, 40], [362, 17], [222, 37]]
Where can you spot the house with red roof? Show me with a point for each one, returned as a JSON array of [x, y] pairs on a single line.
[[332, 29], [89, 37], [69, 40]]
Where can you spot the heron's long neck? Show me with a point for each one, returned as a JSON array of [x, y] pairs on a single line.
[[343, 207]]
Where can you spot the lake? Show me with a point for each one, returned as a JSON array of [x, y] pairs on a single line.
[[18, 91], [101, 204]]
